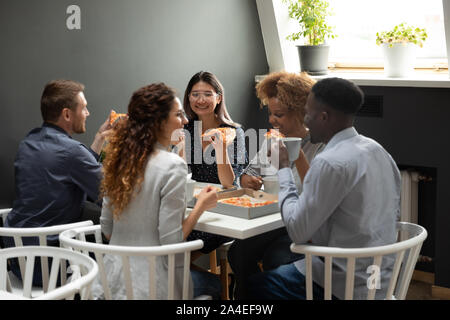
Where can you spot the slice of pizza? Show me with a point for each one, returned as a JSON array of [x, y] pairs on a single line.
[[228, 134], [272, 133], [114, 116]]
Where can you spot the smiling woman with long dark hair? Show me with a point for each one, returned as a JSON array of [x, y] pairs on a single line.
[[222, 162]]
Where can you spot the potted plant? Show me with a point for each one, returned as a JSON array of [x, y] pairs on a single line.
[[311, 16], [399, 48]]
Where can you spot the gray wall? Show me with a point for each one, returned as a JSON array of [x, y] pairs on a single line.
[[122, 45], [414, 129]]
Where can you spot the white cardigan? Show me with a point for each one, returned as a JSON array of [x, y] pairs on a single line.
[[153, 217]]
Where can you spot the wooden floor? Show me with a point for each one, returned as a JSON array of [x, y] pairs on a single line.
[[419, 290]]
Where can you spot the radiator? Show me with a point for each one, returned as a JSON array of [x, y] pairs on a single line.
[[409, 201], [409, 196]]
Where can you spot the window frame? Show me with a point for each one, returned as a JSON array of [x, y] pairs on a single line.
[[282, 54]]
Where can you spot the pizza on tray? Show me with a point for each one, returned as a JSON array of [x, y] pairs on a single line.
[[246, 202]]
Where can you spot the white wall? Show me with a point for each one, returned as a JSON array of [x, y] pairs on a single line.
[[446, 5]]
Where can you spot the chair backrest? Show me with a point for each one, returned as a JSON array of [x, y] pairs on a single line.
[[402, 271], [76, 239], [84, 270], [41, 232]]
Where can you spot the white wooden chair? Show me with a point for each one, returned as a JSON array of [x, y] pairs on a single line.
[[407, 249], [42, 232], [84, 269], [76, 239]]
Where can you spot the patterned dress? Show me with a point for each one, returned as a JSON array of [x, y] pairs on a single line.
[[203, 167]]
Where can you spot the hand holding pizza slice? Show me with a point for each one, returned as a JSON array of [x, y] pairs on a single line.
[[226, 135], [114, 116], [272, 133]]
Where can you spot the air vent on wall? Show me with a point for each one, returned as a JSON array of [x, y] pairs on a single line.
[[372, 107]]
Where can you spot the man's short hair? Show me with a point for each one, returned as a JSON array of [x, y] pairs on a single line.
[[339, 94], [57, 95]]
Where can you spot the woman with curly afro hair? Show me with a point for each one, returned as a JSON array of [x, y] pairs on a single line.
[[144, 190]]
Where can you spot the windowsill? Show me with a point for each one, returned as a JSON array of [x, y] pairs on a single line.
[[375, 77]]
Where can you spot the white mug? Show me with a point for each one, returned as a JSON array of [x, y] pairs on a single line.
[[190, 185], [293, 146], [271, 184]]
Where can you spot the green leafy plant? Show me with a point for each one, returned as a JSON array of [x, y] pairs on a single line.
[[311, 16], [402, 33]]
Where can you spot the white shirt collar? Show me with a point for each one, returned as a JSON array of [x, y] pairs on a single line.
[[341, 136]]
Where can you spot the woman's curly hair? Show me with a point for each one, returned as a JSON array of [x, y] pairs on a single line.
[[132, 142], [291, 90]]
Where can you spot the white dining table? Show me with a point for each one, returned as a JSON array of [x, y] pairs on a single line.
[[235, 227]]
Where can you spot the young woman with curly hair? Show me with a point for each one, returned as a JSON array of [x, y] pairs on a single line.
[[144, 189], [285, 96]]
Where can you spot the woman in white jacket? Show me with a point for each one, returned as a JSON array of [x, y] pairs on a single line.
[[144, 189]]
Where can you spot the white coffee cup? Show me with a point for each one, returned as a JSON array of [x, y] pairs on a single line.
[[271, 184], [293, 146], [190, 185]]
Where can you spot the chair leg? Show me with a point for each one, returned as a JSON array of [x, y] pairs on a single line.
[[224, 279], [213, 261]]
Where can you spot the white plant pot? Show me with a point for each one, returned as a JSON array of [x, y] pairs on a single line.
[[399, 59]]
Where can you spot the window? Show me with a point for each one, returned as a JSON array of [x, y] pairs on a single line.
[[356, 23]]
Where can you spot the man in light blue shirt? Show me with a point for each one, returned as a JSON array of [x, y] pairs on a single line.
[[350, 198]]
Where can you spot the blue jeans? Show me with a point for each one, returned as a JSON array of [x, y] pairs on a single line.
[[282, 283], [206, 283], [272, 248]]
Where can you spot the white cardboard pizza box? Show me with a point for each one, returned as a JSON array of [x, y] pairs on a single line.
[[242, 212]]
